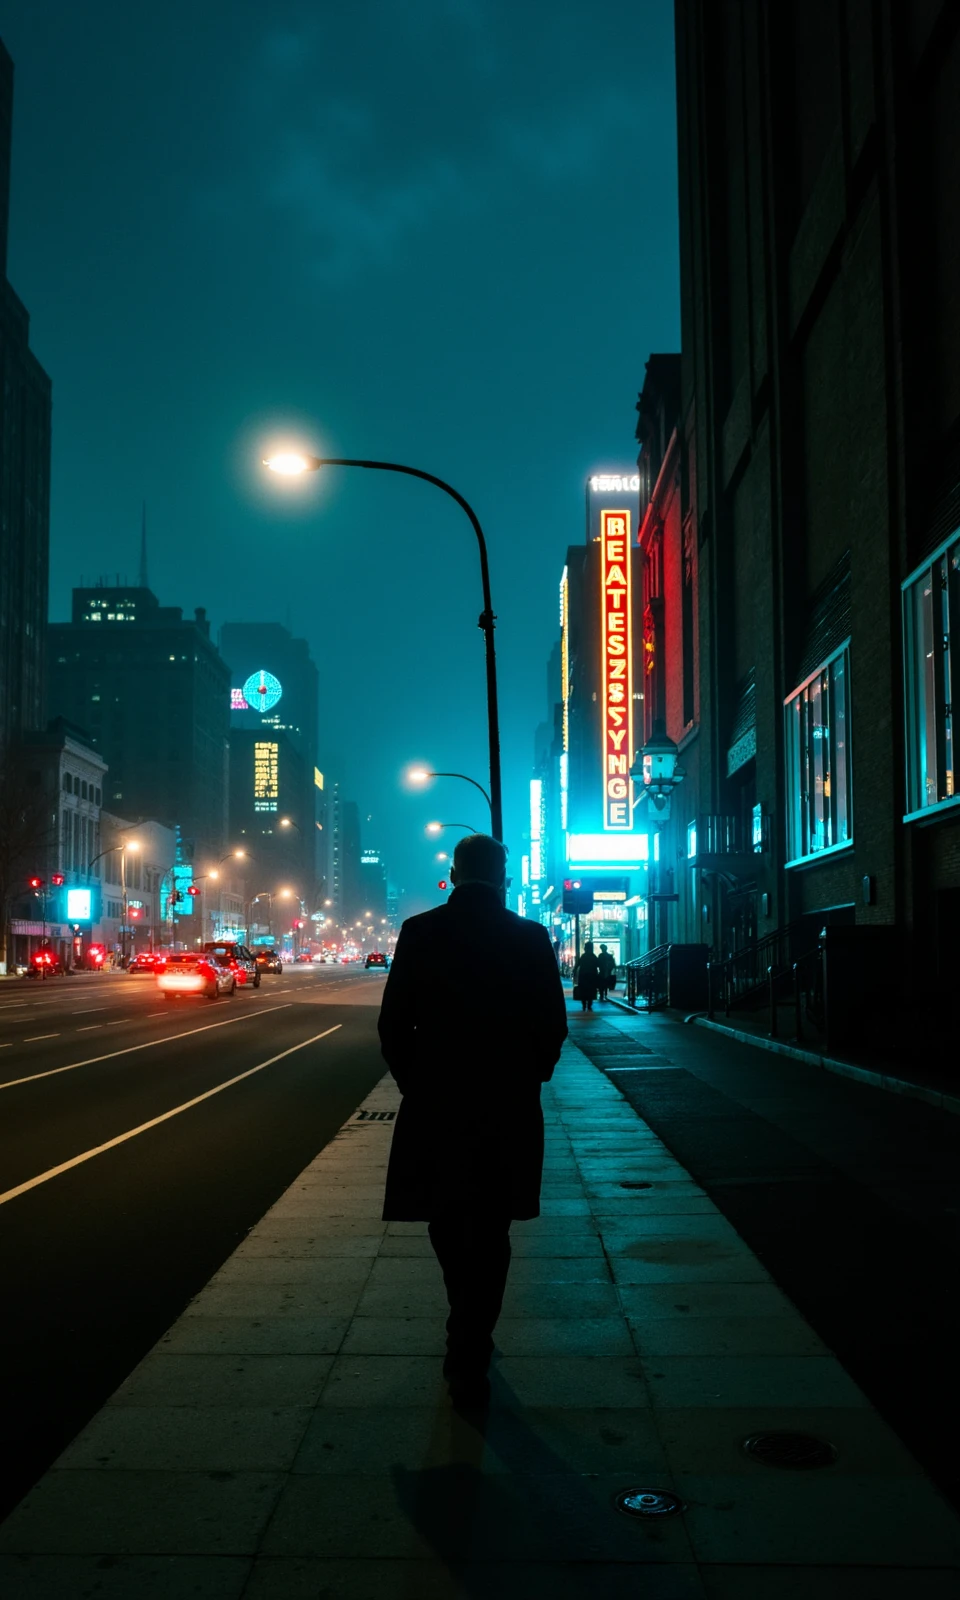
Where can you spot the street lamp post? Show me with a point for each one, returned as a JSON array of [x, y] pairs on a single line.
[[131, 844], [421, 775], [291, 464], [434, 827]]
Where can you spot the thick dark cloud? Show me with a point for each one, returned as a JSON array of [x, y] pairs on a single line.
[[443, 233]]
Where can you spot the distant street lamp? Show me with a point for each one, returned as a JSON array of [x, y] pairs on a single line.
[[291, 463], [132, 845], [435, 827], [288, 822]]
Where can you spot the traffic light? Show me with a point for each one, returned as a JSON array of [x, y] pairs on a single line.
[[36, 883], [442, 884], [577, 897], [192, 889], [56, 878], [133, 912]]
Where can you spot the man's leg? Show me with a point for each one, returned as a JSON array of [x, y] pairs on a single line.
[[474, 1256]]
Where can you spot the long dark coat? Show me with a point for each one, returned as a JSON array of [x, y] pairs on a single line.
[[472, 1022], [588, 976]]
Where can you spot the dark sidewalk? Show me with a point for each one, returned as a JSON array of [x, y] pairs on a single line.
[[850, 1196]]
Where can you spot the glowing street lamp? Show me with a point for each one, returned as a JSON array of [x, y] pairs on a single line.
[[435, 827], [294, 463], [421, 775]]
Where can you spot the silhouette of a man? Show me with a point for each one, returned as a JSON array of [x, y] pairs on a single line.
[[472, 1023]]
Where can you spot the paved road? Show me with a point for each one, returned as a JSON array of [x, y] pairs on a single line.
[[139, 1141]]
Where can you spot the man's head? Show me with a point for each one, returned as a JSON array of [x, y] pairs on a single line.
[[479, 859], [603, 948]]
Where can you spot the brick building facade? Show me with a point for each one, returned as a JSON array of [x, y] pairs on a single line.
[[819, 430]]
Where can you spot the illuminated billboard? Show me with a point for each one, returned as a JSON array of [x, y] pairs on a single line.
[[603, 849], [616, 692], [79, 905], [266, 789]]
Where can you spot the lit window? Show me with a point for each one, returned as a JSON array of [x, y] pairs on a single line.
[[931, 614], [691, 841], [819, 811]]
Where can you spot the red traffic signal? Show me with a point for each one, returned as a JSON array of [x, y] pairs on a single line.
[[134, 911], [192, 889], [56, 878], [36, 883], [442, 884]]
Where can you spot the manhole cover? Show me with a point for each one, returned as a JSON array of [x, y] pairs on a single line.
[[647, 1502], [798, 1451], [630, 1184]]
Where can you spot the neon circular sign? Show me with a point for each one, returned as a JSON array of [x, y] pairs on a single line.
[[262, 691]]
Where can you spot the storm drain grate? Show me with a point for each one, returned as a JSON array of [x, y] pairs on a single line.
[[647, 1503], [375, 1116], [796, 1451], [631, 1183]]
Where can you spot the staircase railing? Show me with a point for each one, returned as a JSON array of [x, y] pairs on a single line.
[[648, 979], [744, 976]]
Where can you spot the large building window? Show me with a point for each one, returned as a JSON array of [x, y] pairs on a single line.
[[819, 810], [931, 612]]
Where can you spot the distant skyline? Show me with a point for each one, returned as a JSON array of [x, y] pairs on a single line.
[[444, 235]]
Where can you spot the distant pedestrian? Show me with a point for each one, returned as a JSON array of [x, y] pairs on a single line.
[[471, 1024], [587, 977], [606, 971]]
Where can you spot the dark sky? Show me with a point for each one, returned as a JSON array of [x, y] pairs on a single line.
[[441, 232]]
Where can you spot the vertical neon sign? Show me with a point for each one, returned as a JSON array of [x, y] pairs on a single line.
[[616, 711], [565, 656]]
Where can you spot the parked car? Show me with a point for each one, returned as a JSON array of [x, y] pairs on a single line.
[[376, 958], [238, 958], [191, 972], [268, 960]]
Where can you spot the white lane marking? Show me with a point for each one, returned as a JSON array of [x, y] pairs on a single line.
[[6, 1046], [89, 1011], [91, 1026], [157, 1014], [149, 1044], [35, 1036], [121, 1024], [121, 1138]]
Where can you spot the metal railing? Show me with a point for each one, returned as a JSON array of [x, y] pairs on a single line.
[[744, 976], [648, 979]]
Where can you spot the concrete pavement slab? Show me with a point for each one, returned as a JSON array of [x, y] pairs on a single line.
[[293, 1579], [641, 1341], [123, 1577]]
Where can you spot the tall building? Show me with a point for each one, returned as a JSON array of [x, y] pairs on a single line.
[[373, 883], [151, 691], [819, 164], [268, 778], [24, 481], [274, 697]]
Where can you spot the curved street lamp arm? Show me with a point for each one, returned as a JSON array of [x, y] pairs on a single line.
[[487, 622], [466, 825], [463, 775]]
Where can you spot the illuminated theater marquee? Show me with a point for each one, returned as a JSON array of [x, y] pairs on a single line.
[[616, 710]]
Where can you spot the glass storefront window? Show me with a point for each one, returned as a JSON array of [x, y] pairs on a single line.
[[931, 615], [819, 812]]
